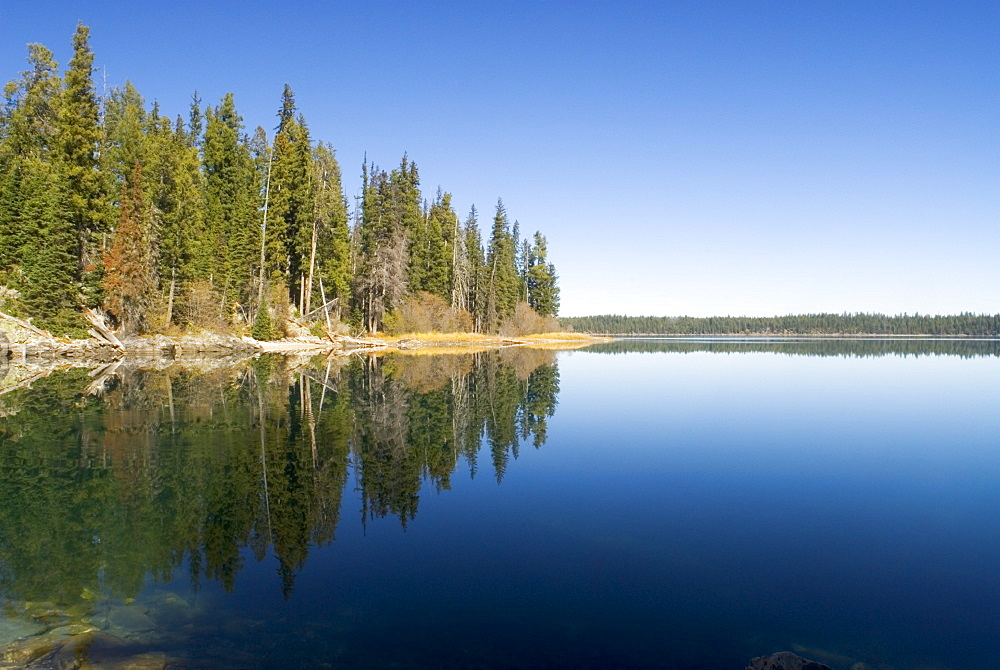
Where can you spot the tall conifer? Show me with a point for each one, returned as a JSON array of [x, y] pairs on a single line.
[[79, 138], [502, 281]]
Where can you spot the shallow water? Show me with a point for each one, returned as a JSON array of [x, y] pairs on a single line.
[[643, 504]]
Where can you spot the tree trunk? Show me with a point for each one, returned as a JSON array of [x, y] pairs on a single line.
[[312, 268], [170, 296]]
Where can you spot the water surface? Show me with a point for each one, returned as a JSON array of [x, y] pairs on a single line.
[[640, 504]]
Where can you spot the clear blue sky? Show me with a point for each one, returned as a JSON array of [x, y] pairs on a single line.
[[692, 157]]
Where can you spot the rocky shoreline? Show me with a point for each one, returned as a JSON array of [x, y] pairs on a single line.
[[22, 343]]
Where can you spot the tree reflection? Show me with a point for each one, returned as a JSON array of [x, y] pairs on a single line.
[[110, 478]]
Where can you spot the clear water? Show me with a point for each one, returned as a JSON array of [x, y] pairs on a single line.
[[647, 504]]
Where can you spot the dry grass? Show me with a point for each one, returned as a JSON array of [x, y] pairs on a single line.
[[549, 345]]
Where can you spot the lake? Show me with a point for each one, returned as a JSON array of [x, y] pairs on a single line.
[[684, 504]]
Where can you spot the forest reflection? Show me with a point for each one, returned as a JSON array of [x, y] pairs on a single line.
[[842, 347], [107, 483]]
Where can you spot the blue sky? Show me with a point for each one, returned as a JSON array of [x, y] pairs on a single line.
[[693, 158]]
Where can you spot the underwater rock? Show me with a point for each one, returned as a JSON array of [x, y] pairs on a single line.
[[21, 653], [12, 629], [147, 661], [784, 660], [130, 619]]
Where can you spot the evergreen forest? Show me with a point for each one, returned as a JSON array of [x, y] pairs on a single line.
[[161, 222], [959, 325]]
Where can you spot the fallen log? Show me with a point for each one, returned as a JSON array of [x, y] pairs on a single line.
[[24, 324], [102, 331]]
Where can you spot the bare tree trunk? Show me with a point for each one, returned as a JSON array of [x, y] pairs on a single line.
[[263, 230], [312, 269], [326, 309], [170, 296]]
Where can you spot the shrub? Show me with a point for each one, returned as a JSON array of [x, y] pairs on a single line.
[[527, 321], [201, 306], [426, 312]]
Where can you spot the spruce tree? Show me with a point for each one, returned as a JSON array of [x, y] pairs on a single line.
[[28, 126], [474, 269], [196, 122], [176, 195], [332, 260], [37, 240], [380, 280], [291, 208], [502, 281], [543, 289], [79, 142], [431, 249], [47, 262], [233, 200]]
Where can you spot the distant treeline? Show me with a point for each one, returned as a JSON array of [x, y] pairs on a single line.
[[958, 325], [846, 348]]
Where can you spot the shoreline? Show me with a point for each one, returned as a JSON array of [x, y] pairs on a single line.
[[20, 345]]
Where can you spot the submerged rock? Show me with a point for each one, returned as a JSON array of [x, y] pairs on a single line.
[[784, 660], [130, 620]]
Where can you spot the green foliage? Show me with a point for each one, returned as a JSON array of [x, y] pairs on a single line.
[[263, 327], [214, 212], [290, 213], [383, 238], [542, 284], [502, 282], [432, 249], [958, 325], [333, 237], [232, 202], [79, 137]]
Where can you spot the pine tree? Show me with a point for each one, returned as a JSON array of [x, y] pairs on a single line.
[[431, 249], [79, 141], [233, 198], [543, 289], [331, 263], [195, 121], [380, 282], [502, 282], [37, 240], [28, 126], [474, 270], [291, 207], [176, 197]]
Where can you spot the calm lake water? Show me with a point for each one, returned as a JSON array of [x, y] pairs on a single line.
[[645, 503]]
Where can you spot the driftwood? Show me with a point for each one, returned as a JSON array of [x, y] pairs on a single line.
[[24, 324], [101, 330]]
